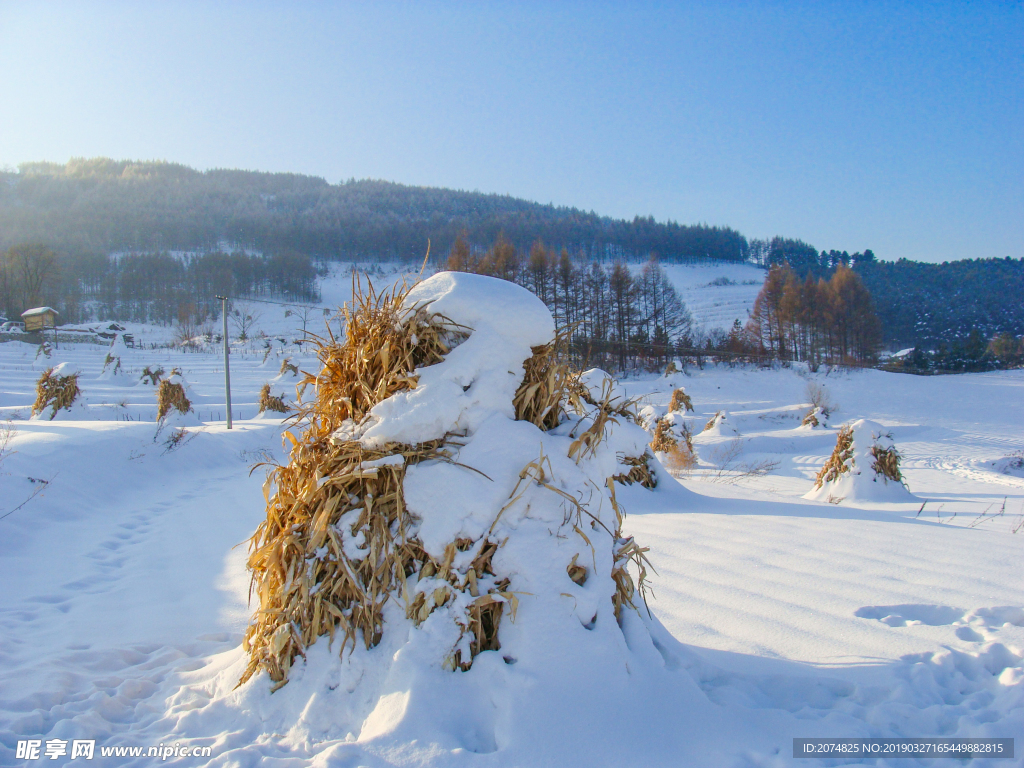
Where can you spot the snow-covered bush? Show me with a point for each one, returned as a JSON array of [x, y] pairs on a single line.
[[816, 417]]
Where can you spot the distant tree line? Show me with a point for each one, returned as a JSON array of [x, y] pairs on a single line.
[[103, 206], [817, 321], [803, 258], [146, 287], [970, 354], [610, 316]]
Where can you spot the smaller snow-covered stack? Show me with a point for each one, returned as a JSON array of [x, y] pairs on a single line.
[[673, 442], [720, 426], [113, 363], [57, 389], [817, 417], [288, 369], [152, 376], [680, 402], [272, 403], [864, 466], [173, 401]]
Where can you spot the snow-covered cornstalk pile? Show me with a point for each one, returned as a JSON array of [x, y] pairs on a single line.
[[864, 464], [172, 396], [57, 389], [349, 547], [270, 402], [680, 402]]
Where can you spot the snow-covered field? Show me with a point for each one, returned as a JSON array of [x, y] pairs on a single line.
[[125, 592], [717, 294]]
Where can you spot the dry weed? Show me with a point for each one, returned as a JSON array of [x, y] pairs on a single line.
[[820, 397]]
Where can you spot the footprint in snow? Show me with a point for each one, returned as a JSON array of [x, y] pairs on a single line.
[[974, 626]]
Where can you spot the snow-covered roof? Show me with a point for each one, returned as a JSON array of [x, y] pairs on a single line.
[[904, 352], [39, 311]]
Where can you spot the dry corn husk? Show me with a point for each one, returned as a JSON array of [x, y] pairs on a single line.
[[886, 462]]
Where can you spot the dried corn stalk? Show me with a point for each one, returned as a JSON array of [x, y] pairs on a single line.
[[840, 461], [152, 375], [269, 402], [886, 461], [680, 402]]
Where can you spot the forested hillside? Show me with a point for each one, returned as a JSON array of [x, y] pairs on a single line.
[[102, 206], [932, 304]]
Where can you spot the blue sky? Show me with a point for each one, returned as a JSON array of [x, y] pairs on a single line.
[[892, 126]]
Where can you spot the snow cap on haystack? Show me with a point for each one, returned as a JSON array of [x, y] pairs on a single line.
[[864, 466], [58, 395], [451, 505]]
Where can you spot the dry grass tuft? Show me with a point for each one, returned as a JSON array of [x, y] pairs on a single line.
[[678, 456], [287, 366], [839, 462], [171, 395], [112, 359], [56, 392], [152, 375], [680, 402], [671, 368], [335, 546], [269, 402]]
